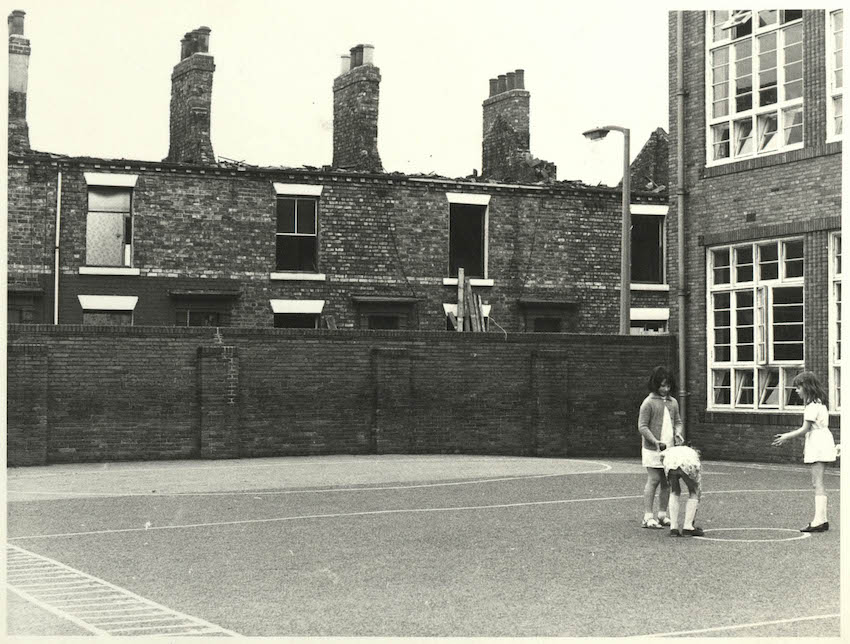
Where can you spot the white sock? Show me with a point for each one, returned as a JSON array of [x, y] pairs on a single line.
[[691, 512], [674, 511], [820, 509], [647, 516]]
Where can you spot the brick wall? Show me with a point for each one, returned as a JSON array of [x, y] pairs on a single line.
[[104, 393], [355, 133], [793, 193], [379, 235]]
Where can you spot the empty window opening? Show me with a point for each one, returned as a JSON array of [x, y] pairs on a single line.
[[466, 239]]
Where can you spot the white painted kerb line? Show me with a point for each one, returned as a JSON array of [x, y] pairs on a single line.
[[714, 629], [116, 611]]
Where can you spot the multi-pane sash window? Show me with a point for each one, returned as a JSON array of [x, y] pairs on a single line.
[[754, 83], [756, 324], [109, 226], [297, 235], [835, 321], [835, 71]]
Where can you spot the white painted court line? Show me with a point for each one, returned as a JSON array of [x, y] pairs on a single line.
[[797, 533], [304, 461], [605, 468], [64, 603], [741, 626], [338, 515]]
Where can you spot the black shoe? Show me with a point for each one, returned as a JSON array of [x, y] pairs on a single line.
[[696, 532], [675, 533], [823, 527]]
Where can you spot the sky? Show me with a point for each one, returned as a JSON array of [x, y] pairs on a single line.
[[100, 77]]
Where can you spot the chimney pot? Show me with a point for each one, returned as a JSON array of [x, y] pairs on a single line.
[[503, 83], [356, 56], [520, 78], [16, 22], [511, 80], [184, 47], [344, 64], [368, 54], [203, 39], [494, 86]]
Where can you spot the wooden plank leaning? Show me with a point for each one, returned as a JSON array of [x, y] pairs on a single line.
[[460, 316]]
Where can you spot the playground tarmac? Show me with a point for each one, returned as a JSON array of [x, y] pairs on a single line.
[[410, 545]]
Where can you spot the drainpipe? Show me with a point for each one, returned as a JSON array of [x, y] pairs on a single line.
[[56, 250], [680, 208]]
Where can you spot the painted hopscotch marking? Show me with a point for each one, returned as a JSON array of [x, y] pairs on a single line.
[[93, 604], [715, 629]]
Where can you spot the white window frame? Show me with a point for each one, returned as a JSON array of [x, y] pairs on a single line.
[[833, 93], [780, 108], [763, 360], [835, 320], [471, 200]]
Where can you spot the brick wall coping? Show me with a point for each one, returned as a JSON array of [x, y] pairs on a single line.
[[325, 174], [228, 334]]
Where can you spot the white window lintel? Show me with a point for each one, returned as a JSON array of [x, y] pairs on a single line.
[[111, 180], [108, 302], [469, 199], [647, 209], [298, 189], [297, 306], [650, 313]]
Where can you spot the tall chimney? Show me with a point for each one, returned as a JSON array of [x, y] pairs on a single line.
[[355, 135], [191, 101], [506, 154], [19, 60]]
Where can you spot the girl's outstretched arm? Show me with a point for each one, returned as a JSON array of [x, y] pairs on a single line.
[[778, 439]]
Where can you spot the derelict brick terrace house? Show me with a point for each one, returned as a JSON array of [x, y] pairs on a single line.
[[761, 133], [190, 241]]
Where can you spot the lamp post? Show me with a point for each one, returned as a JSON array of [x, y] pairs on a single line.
[[626, 236]]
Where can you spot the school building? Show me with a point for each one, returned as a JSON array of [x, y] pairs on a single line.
[[756, 134]]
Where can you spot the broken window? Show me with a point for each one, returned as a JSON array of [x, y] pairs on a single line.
[[296, 238], [109, 226], [754, 83], [467, 239]]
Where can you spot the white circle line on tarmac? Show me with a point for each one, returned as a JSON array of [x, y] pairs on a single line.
[[339, 515], [799, 535], [714, 629], [605, 468]]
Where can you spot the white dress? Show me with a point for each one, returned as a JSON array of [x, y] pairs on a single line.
[[820, 445], [683, 458], [652, 457]]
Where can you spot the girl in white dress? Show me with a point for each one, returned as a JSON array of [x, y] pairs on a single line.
[[819, 448]]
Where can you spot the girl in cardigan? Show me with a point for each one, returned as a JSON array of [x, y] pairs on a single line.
[[819, 448], [660, 426]]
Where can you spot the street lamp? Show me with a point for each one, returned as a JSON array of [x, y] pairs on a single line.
[[626, 239]]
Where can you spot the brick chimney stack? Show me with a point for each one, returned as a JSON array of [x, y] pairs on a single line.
[[355, 133], [19, 60], [191, 101], [506, 154]]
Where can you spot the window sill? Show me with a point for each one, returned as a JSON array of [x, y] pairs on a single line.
[[302, 277], [473, 281], [650, 287], [109, 270]]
